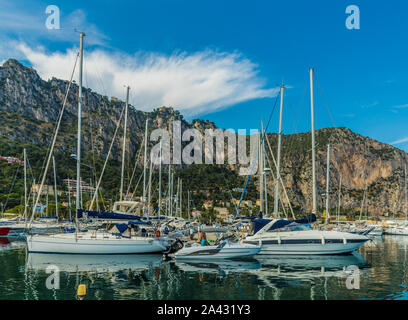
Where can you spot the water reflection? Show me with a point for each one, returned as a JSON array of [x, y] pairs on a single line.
[[382, 263]]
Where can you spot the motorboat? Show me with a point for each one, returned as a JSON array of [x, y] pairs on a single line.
[[297, 237], [224, 250]]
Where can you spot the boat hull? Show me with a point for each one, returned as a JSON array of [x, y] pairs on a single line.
[[308, 243], [70, 245], [229, 251]]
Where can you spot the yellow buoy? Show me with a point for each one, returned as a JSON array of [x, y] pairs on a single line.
[[81, 291]]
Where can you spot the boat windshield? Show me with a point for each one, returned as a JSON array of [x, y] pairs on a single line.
[[292, 227]]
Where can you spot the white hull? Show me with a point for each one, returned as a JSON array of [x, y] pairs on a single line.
[[86, 244], [92, 263], [229, 251], [309, 242], [401, 231]]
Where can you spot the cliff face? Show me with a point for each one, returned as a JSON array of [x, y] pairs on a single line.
[[355, 160], [29, 109]]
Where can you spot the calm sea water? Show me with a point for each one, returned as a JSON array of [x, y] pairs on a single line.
[[383, 268]]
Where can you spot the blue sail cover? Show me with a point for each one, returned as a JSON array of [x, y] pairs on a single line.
[[107, 215], [260, 223]]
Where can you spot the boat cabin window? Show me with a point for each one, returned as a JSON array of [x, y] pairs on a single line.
[[292, 227]]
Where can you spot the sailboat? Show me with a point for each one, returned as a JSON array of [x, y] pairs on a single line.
[[124, 239], [297, 237]]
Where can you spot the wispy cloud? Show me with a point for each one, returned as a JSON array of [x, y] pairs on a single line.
[[349, 115], [402, 140], [22, 22], [195, 83], [402, 106], [376, 103]]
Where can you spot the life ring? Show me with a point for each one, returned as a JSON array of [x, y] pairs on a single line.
[[157, 233]]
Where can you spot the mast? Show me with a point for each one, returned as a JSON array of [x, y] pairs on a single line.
[[144, 169], [338, 208], [314, 208], [260, 175], [78, 191], [25, 186], [177, 196], [150, 186], [69, 198], [265, 180], [160, 178], [181, 197], [171, 193], [124, 143], [168, 193], [276, 207], [55, 186], [188, 204], [327, 183], [406, 195], [265, 188]]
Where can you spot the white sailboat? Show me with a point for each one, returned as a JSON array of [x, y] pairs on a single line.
[[98, 241], [297, 237]]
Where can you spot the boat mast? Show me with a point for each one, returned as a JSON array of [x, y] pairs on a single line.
[[406, 195], [188, 204], [260, 175], [265, 187], [169, 193], [144, 170], [69, 198], [78, 191], [181, 197], [55, 186], [124, 143], [150, 186], [314, 208], [276, 207], [338, 208], [160, 179], [25, 186], [327, 183]]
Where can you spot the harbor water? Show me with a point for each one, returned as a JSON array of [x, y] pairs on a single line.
[[382, 274]]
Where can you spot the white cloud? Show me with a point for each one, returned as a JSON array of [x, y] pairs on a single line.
[[402, 106], [402, 140], [376, 103], [195, 83]]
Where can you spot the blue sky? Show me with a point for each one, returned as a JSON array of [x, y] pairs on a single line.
[[252, 46]]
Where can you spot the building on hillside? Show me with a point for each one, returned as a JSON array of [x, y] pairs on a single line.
[[208, 204], [72, 186], [47, 189], [12, 160], [222, 213]]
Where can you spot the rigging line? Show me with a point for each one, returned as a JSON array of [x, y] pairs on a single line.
[[107, 158], [53, 143], [134, 169], [137, 184], [280, 178], [256, 157], [12, 186], [55, 126], [324, 102]]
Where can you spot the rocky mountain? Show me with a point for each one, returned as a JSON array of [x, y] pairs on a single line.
[[29, 109]]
